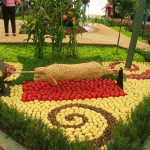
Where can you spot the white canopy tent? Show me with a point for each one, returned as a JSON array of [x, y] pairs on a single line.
[[94, 8]]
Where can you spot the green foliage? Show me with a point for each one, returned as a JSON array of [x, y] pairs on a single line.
[[39, 136], [133, 133], [104, 21], [126, 7], [146, 34], [17, 53], [37, 26], [124, 137], [34, 134], [128, 32], [106, 53], [148, 4], [114, 2], [112, 76], [51, 19], [81, 145], [140, 119], [13, 120], [145, 54]]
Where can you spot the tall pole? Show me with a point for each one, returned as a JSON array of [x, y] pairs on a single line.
[[136, 28]]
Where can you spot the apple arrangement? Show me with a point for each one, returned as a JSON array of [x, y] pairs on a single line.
[[84, 109], [71, 89], [137, 71]]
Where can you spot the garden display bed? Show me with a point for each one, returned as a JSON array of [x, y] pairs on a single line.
[[83, 109]]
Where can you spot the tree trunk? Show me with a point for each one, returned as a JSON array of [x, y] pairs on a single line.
[[119, 36], [114, 12], [136, 29]]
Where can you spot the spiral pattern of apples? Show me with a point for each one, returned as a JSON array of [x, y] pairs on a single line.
[[83, 121]]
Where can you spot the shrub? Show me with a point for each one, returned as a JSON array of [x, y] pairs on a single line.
[[146, 34], [140, 118], [34, 134], [146, 54], [105, 21], [124, 138], [133, 133]]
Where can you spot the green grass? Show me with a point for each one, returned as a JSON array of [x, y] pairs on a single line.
[[15, 53], [127, 33]]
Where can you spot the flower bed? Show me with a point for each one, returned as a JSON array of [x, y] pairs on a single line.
[[89, 118]]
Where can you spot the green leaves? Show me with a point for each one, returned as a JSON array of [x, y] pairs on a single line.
[[34, 134], [126, 7], [47, 18], [133, 133]]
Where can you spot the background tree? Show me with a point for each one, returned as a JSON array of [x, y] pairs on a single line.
[[147, 4], [125, 8]]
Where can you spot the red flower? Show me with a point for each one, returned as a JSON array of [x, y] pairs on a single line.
[[74, 19], [64, 17]]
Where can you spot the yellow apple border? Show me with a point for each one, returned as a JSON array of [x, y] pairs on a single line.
[[85, 122], [142, 67]]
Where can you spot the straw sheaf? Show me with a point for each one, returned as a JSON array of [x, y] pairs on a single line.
[[56, 72]]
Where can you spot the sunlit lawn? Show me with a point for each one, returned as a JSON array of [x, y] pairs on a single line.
[[128, 33]]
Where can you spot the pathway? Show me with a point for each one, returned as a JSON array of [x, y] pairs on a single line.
[[97, 34], [7, 143]]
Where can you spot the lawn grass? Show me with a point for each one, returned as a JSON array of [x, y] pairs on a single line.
[[15, 53], [127, 33]]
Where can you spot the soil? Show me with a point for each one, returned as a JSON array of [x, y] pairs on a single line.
[[1, 148]]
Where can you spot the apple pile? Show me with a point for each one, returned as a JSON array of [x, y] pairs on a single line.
[[71, 89], [83, 121]]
